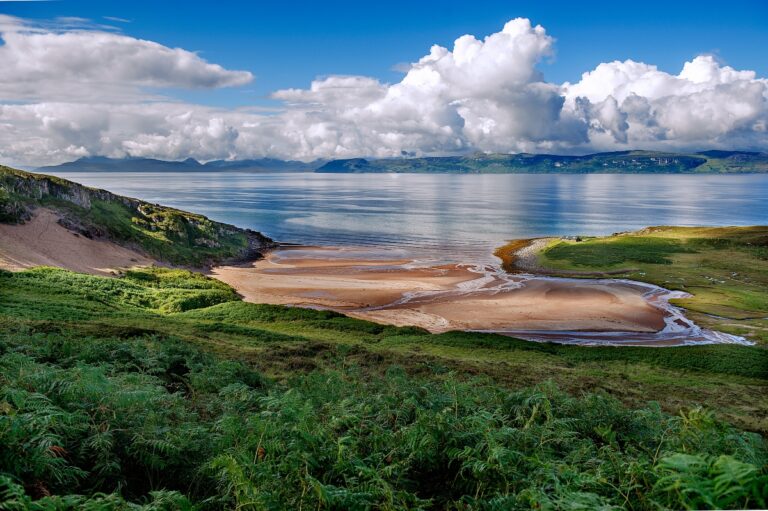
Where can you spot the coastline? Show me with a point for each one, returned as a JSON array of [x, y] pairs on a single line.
[[521, 256], [372, 284]]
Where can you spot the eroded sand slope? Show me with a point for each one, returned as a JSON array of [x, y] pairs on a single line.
[[43, 242]]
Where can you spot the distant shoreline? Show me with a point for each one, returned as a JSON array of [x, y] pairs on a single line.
[[615, 162]]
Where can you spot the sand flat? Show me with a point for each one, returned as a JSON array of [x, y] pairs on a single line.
[[441, 297], [336, 283]]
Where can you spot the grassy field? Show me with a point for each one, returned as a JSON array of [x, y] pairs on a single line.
[[725, 269], [163, 388]]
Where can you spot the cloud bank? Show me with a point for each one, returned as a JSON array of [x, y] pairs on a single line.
[[67, 93]]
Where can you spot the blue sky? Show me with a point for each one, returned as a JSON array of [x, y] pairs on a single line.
[[286, 44]]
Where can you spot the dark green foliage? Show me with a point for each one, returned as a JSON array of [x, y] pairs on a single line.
[[247, 312], [163, 290], [14, 498], [727, 359], [133, 418]]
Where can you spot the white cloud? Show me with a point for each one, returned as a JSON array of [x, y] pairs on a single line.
[[73, 65], [705, 105], [478, 95], [483, 95]]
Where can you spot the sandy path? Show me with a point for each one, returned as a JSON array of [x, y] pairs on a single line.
[[43, 242], [441, 298]]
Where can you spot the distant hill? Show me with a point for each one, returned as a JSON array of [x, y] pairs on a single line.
[[264, 165], [621, 162], [104, 164]]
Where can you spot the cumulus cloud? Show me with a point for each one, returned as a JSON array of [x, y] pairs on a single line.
[[52, 65], [480, 94], [706, 105]]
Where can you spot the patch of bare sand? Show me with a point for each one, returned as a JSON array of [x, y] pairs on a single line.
[[441, 298], [43, 242], [550, 305], [337, 283]]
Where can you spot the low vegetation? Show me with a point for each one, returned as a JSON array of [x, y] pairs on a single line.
[[724, 269], [162, 390]]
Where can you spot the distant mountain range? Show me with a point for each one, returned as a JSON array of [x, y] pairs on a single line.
[[621, 162], [103, 164]]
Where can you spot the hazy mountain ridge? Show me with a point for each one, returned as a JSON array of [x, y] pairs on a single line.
[[629, 162], [618, 162], [104, 164]]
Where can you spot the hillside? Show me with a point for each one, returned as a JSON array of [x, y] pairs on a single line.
[[624, 162], [166, 234], [725, 269]]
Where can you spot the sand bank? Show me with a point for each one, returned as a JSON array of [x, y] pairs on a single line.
[[43, 242], [443, 297]]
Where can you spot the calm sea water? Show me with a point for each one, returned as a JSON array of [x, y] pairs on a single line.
[[458, 214]]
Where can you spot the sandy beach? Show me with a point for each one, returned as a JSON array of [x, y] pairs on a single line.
[[443, 297]]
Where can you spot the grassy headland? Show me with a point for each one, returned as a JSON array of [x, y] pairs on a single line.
[[724, 268], [167, 234]]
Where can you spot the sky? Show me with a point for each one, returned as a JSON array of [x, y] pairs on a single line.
[[333, 79]]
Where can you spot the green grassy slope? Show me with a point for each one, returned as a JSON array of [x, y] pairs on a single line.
[[163, 388], [621, 162], [164, 233], [725, 269]]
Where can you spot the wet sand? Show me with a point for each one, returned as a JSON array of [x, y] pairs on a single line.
[[442, 297]]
